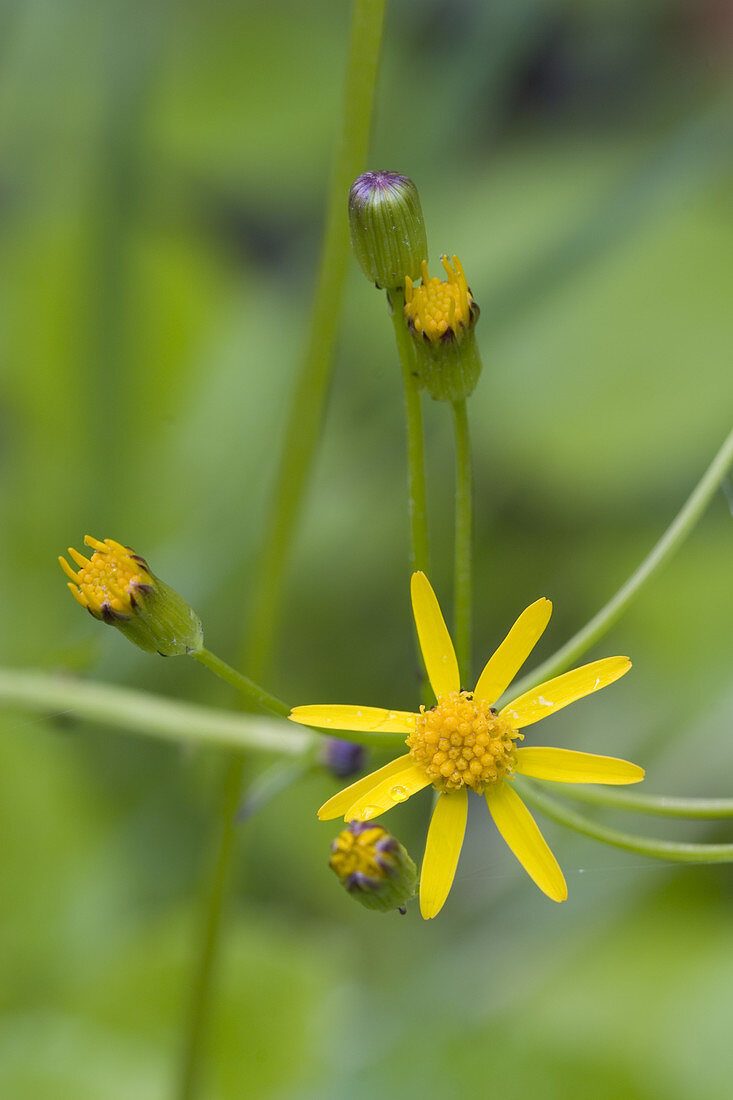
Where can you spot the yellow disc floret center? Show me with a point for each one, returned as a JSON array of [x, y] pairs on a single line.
[[109, 583], [437, 309], [463, 742]]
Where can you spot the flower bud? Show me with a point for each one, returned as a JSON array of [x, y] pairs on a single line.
[[343, 758], [373, 867], [441, 315], [387, 228], [117, 586]]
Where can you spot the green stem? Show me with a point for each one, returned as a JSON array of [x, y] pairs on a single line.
[[262, 699], [463, 590], [630, 842], [301, 436], [417, 497], [142, 713], [201, 987], [676, 533], [659, 804], [307, 404], [252, 691]]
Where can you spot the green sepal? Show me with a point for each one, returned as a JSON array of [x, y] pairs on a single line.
[[162, 622], [450, 368]]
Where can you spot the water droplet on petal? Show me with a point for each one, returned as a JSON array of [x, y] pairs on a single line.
[[399, 794], [367, 813]]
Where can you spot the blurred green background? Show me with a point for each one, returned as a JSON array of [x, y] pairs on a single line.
[[163, 171]]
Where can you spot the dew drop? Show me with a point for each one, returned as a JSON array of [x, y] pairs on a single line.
[[368, 812], [398, 794]]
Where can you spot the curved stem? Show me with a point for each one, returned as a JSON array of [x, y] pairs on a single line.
[[463, 590], [630, 842], [262, 699], [658, 804], [143, 713], [252, 691], [311, 385], [676, 533], [417, 498]]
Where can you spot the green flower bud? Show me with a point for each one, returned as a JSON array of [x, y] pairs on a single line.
[[117, 586], [441, 316], [373, 867], [387, 228]]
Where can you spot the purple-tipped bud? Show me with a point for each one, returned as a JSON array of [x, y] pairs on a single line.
[[343, 758], [373, 866], [387, 228]]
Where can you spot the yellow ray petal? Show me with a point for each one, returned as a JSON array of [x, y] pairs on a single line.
[[435, 642], [354, 718], [557, 693], [519, 830], [388, 792], [339, 803], [505, 663], [442, 849], [567, 766]]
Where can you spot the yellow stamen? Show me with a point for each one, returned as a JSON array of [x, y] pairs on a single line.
[[439, 306], [462, 742]]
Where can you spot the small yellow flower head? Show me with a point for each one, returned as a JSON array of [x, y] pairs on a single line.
[[441, 314], [387, 228], [117, 586], [440, 309], [373, 867]]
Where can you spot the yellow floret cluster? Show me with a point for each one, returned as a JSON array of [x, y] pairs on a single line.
[[439, 308], [462, 742], [356, 852], [107, 583]]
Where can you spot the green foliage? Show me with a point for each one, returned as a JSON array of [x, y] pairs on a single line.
[[161, 196]]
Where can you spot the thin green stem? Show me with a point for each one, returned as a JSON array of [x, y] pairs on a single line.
[[262, 699], [673, 537], [463, 584], [201, 987], [417, 497], [148, 715], [301, 437], [253, 693], [630, 842], [660, 805], [311, 385]]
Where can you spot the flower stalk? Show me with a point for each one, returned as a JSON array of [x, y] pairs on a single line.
[[675, 851], [463, 565], [417, 495], [680, 527]]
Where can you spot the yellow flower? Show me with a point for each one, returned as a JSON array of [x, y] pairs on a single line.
[[117, 586], [463, 743]]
